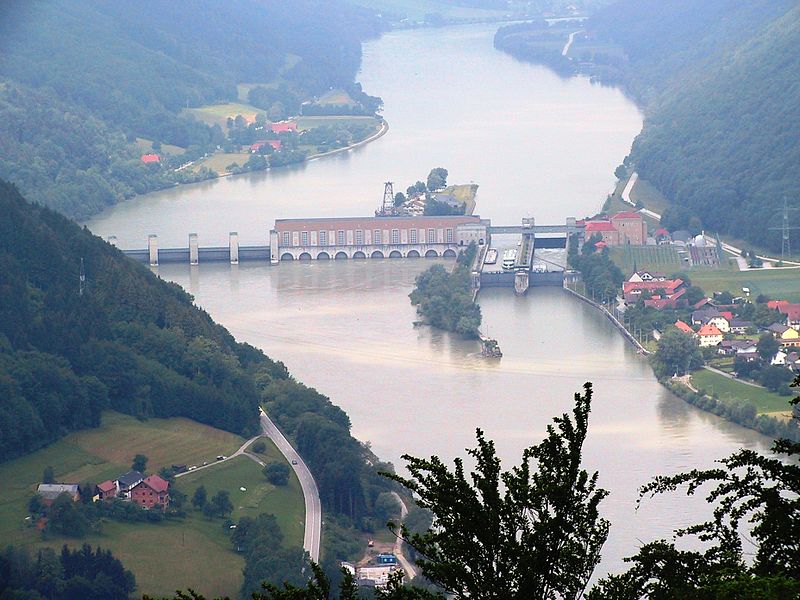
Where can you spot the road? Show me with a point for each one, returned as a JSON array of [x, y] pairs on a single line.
[[733, 250], [571, 39], [313, 526], [239, 452], [408, 569]]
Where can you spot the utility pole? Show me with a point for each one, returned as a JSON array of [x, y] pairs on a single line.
[[387, 208]]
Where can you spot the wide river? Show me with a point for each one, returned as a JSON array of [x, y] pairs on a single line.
[[537, 145]]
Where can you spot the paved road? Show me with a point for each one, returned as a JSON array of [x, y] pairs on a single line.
[[313, 525], [313, 506], [239, 452], [729, 376], [571, 39], [408, 569]]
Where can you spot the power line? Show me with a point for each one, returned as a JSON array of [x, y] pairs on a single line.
[[786, 245]]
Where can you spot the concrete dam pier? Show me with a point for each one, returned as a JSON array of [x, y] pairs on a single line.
[[341, 238]]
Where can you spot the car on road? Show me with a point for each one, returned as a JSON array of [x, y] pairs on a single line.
[[221, 457], [294, 462]]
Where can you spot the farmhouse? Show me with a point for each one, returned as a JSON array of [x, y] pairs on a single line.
[[151, 159], [709, 335], [152, 492]]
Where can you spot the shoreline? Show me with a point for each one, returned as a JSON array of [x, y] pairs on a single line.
[[383, 130]]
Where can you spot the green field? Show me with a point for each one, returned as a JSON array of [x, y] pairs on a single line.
[[782, 284], [193, 551], [219, 162], [217, 114], [764, 400], [336, 98], [147, 146], [260, 496], [662, 259], [304, 123]]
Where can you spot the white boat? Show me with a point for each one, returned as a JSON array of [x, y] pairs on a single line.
[[491, 257], [509, 258]]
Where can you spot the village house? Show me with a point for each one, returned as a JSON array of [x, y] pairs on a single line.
[[787, 336], [106, 490], [738, 326], [276, 145], [640, 276], [151, 492], [709, 335], [151, 159], [791, 311], [684, 327], [632, 290], [734, 347], [283, 127], [672, 301], [125, 483]]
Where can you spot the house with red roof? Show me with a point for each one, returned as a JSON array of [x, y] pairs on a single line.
[[283, 126], [151, 492], [684, 327], [106, 490], [632, 290], [709, 335], [151, 159], [672, 301], [622, 228], [276, 145], [792, 311]]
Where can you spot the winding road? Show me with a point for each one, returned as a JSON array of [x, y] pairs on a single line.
[[313, 521], [313, 526]]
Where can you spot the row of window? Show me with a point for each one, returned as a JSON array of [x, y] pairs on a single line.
[[342, 239]]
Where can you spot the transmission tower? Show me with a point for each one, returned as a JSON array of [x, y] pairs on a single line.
[[82, 280], [786, 244], [387, 208]]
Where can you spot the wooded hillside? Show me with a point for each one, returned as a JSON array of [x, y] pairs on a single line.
[[717, 81], [81, 80]]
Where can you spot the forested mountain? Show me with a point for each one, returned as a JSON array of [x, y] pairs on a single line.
[[718, 83], [130, 341], [99, 74], [134, 343]]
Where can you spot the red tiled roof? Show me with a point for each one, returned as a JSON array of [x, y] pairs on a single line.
[[150, 159], [600, 244], [156, 483], [684, 327], [283, 127], [728, 315], [662, 231], [790, 310], [669, 286], [777, 304], [107, 486], [708, 330], [600, 226], [627, 215]]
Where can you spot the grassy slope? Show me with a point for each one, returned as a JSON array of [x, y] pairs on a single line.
[[219, 162], [764, 400], [217, 114], [663, 259], [311, 122], [192, 552]]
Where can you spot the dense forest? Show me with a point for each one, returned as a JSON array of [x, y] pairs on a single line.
[[81, 80], [721, 128], [129, 341], [714, 79]]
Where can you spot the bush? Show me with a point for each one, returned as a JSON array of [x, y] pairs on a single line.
[[259, 447], [277, 473]]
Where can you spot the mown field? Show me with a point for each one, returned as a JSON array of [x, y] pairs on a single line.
[[783, 284], [217, 114], [219, 162], [165, 556], [147, 146], [764, 400]]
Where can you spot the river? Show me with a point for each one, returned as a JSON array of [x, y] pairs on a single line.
[[537, 145]]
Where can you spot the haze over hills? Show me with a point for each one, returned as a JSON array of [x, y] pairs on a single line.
[[715, 78], [79, 81]]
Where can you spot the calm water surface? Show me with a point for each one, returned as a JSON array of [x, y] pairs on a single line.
[[537, 145]]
